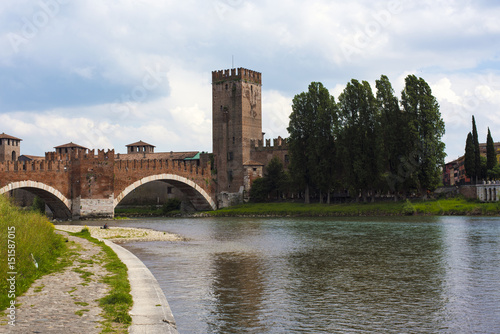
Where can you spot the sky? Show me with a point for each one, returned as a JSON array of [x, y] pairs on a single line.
[[104, 74]]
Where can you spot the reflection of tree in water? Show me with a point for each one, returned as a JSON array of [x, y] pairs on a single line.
[[237, 293], [364, 275]]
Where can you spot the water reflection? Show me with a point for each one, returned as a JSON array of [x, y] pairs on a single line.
[[237, 290], [472, 275], [391, 275]]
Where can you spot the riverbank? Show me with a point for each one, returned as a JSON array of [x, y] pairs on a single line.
[[441, 207], [123, 234]]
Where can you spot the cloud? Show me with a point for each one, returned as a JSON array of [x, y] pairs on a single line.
[[81, 67]]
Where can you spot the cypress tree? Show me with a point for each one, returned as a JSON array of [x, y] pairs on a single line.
[[477, 152], [491, 155], [469, 158]]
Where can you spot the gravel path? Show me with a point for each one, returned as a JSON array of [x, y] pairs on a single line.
[[65, 302]]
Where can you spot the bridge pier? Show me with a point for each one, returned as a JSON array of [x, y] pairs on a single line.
[[89, 208]]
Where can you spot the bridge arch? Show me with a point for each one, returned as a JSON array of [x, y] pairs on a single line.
[[59, 204], [198, 196]]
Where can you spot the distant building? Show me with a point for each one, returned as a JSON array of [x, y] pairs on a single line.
[[69, 148], [140, 147], [30, 158], [454, 171], [10, 148]]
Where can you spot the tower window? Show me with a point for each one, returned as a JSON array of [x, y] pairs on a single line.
[[234, 140], [229, 156], [226, 86]]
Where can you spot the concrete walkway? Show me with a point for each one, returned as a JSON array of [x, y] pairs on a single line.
[[151, 312]]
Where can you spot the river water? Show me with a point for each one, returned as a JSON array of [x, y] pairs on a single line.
[[330, 275]]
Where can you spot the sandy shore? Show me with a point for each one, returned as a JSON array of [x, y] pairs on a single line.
[[123, 234]]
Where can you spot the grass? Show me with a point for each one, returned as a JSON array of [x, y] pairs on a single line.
[[452, 206], [26, 249], [118, 302]]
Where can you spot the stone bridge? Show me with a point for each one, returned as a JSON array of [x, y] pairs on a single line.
[[91, 186]]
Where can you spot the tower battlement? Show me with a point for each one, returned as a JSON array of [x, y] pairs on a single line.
[[236, 74], [278, 144]]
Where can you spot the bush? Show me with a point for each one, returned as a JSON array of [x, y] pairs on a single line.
[[408, 208], [38, 205], [171, 205], [260, 190]]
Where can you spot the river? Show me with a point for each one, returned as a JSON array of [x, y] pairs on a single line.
[[328, 275]]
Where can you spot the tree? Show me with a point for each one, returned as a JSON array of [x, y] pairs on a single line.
[[477, 152], [392, 134], [260, 190], [357, 144], [426, 128], [491, 155], [38, 205], [470, 158], [307, 134], [275, 176]]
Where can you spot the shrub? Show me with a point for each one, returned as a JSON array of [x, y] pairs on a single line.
[[171, 205], [408, 208]]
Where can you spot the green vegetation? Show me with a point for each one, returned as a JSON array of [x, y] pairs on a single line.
[[365, 143], [272, 185], [172, 204], [32, 242], [453, 206], [118, 302], [38, 205], [170, 208]]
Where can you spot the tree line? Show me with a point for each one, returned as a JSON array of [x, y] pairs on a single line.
[[365, 144], [478, 167]]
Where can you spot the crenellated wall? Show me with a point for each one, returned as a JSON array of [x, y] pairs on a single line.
[[235, 74], [89, 185], [264, 154]]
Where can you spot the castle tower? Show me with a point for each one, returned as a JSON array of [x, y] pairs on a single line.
[[10, 148], [236, 120]]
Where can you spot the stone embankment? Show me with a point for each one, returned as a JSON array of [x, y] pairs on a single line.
[[67, 301]]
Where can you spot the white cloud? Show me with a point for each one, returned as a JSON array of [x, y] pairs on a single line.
[[88, 67]]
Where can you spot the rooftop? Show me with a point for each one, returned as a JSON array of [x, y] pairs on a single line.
[[140, 143], [4, 136], [71, 145]]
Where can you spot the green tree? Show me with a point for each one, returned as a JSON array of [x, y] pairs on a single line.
[[38, 205], [470, 158], [477, 152], [275, 177], [260, 190], [392, 135], [491, 154], [357, 144], [307, 132], [426, 128]]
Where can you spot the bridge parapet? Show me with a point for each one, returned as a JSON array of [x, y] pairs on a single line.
[[190, 167], [35, 165]]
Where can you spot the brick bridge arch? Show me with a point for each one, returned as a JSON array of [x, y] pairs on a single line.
[[59, 204], [200, 199]]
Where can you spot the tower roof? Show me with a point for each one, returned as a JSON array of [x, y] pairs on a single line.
[[70, 145], [140, 143], [4, 136]]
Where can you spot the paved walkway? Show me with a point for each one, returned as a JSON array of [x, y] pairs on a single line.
[[66, 302]]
